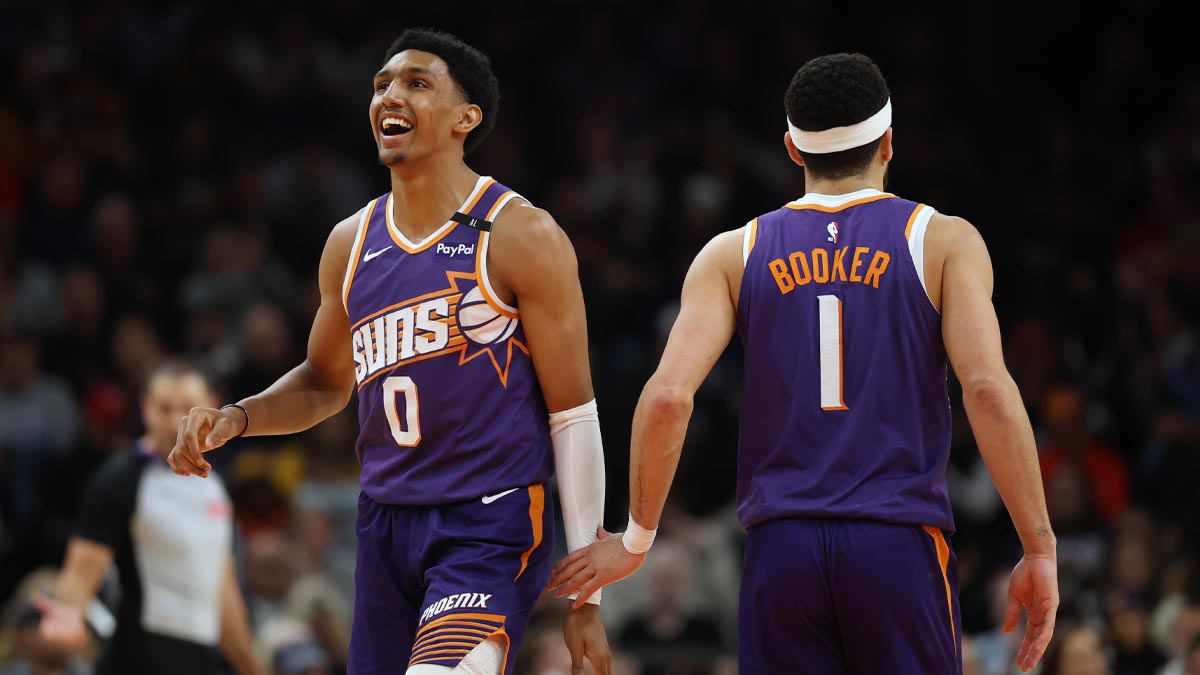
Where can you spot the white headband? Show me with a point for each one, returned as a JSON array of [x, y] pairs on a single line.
[[842, 138]]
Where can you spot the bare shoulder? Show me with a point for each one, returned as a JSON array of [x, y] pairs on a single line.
[[525, 239], [726, 246], [720, 261], [951, 233], [344, 232], [521, 223], [338, 248]]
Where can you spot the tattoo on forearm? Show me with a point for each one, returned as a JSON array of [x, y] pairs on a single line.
[[1043, 531], [637, 497]]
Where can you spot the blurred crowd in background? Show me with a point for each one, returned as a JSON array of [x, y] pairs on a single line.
[[169, 172]]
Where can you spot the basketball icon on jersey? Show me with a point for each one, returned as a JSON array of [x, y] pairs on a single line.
[[480, 322], [832, 228]]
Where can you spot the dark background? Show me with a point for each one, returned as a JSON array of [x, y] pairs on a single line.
[[169, 172]]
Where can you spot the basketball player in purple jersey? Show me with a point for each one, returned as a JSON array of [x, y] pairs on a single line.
[[453, 306], [848, 301]]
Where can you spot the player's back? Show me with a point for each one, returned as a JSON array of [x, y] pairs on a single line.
[[845, 412]]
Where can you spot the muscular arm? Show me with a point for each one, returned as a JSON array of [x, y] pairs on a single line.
[[1002, 431], [321, 385], [84, 568], [235, 640], [530, 257], [62, 621], [993, 403], [706, 322], [312, 391]]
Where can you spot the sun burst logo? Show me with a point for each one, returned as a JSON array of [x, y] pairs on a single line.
[[455, 320]]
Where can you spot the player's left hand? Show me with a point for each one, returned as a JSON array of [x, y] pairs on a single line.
[[592, 567], [586, 639]]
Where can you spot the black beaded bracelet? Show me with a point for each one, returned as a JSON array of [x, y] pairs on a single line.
[[244, 412]]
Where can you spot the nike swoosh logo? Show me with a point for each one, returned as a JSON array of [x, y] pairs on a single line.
[[488, 499], [368, 255]]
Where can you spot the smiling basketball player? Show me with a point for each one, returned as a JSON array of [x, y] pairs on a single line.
[[454, 308]]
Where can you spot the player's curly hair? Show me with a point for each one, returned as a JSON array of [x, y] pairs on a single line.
[[470, 68], [831, 91]]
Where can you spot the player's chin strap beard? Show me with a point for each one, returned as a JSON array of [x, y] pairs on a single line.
[[838, 139]]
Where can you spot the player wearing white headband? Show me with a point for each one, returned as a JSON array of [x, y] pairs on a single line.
[[850, 303]]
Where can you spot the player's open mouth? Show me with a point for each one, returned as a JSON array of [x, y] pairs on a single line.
[[394, 126]]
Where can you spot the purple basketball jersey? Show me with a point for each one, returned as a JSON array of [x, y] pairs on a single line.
[[449, 404], [845, 412]]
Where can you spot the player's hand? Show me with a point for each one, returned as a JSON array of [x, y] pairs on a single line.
[[1034, 586], [62, 626], [592, 567], [586, 639], [203, 429]]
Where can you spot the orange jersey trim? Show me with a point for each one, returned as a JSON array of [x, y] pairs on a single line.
[[537, 505], [356, 253], [501, 201], [835, 209], [943, 555], [912, 219], [437, 236], [753, 235], [485, 287]]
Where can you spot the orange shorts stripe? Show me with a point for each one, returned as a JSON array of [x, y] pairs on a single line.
[[452, 632], [466, 618], [943, 555], [446, 644], [537, 505]]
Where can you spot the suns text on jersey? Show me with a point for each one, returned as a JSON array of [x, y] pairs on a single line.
[[419, 330], [816, 266]]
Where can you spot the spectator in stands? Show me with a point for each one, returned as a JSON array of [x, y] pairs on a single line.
[[1069, 440], [1077, 649]]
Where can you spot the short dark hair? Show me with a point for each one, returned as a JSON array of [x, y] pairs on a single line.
[[470, 69], [831, 91]]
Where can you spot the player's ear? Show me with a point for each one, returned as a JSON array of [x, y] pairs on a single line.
[[885, 147], [791, 148], [469, 117]]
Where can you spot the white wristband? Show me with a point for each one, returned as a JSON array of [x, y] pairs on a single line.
[[637, 539]]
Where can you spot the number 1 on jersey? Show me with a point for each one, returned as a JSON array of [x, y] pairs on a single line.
[[402, 384], [829, 315]]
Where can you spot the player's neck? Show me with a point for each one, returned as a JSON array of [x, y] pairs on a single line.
[[872, 180], [423, 198]]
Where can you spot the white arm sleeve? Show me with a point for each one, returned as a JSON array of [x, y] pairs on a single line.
[[579, 462]]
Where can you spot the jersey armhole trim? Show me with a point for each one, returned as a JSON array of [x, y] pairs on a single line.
[[915, 233], [355, 251], [748, 240], [485, 284]]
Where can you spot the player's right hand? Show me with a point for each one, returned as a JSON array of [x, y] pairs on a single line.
[[1034, 586], [62, 626], [587, 570], [203, 429]]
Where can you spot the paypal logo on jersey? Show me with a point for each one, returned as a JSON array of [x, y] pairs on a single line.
[[454, 250]]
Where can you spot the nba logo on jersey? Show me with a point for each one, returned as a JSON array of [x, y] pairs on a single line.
[[833, 231]]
